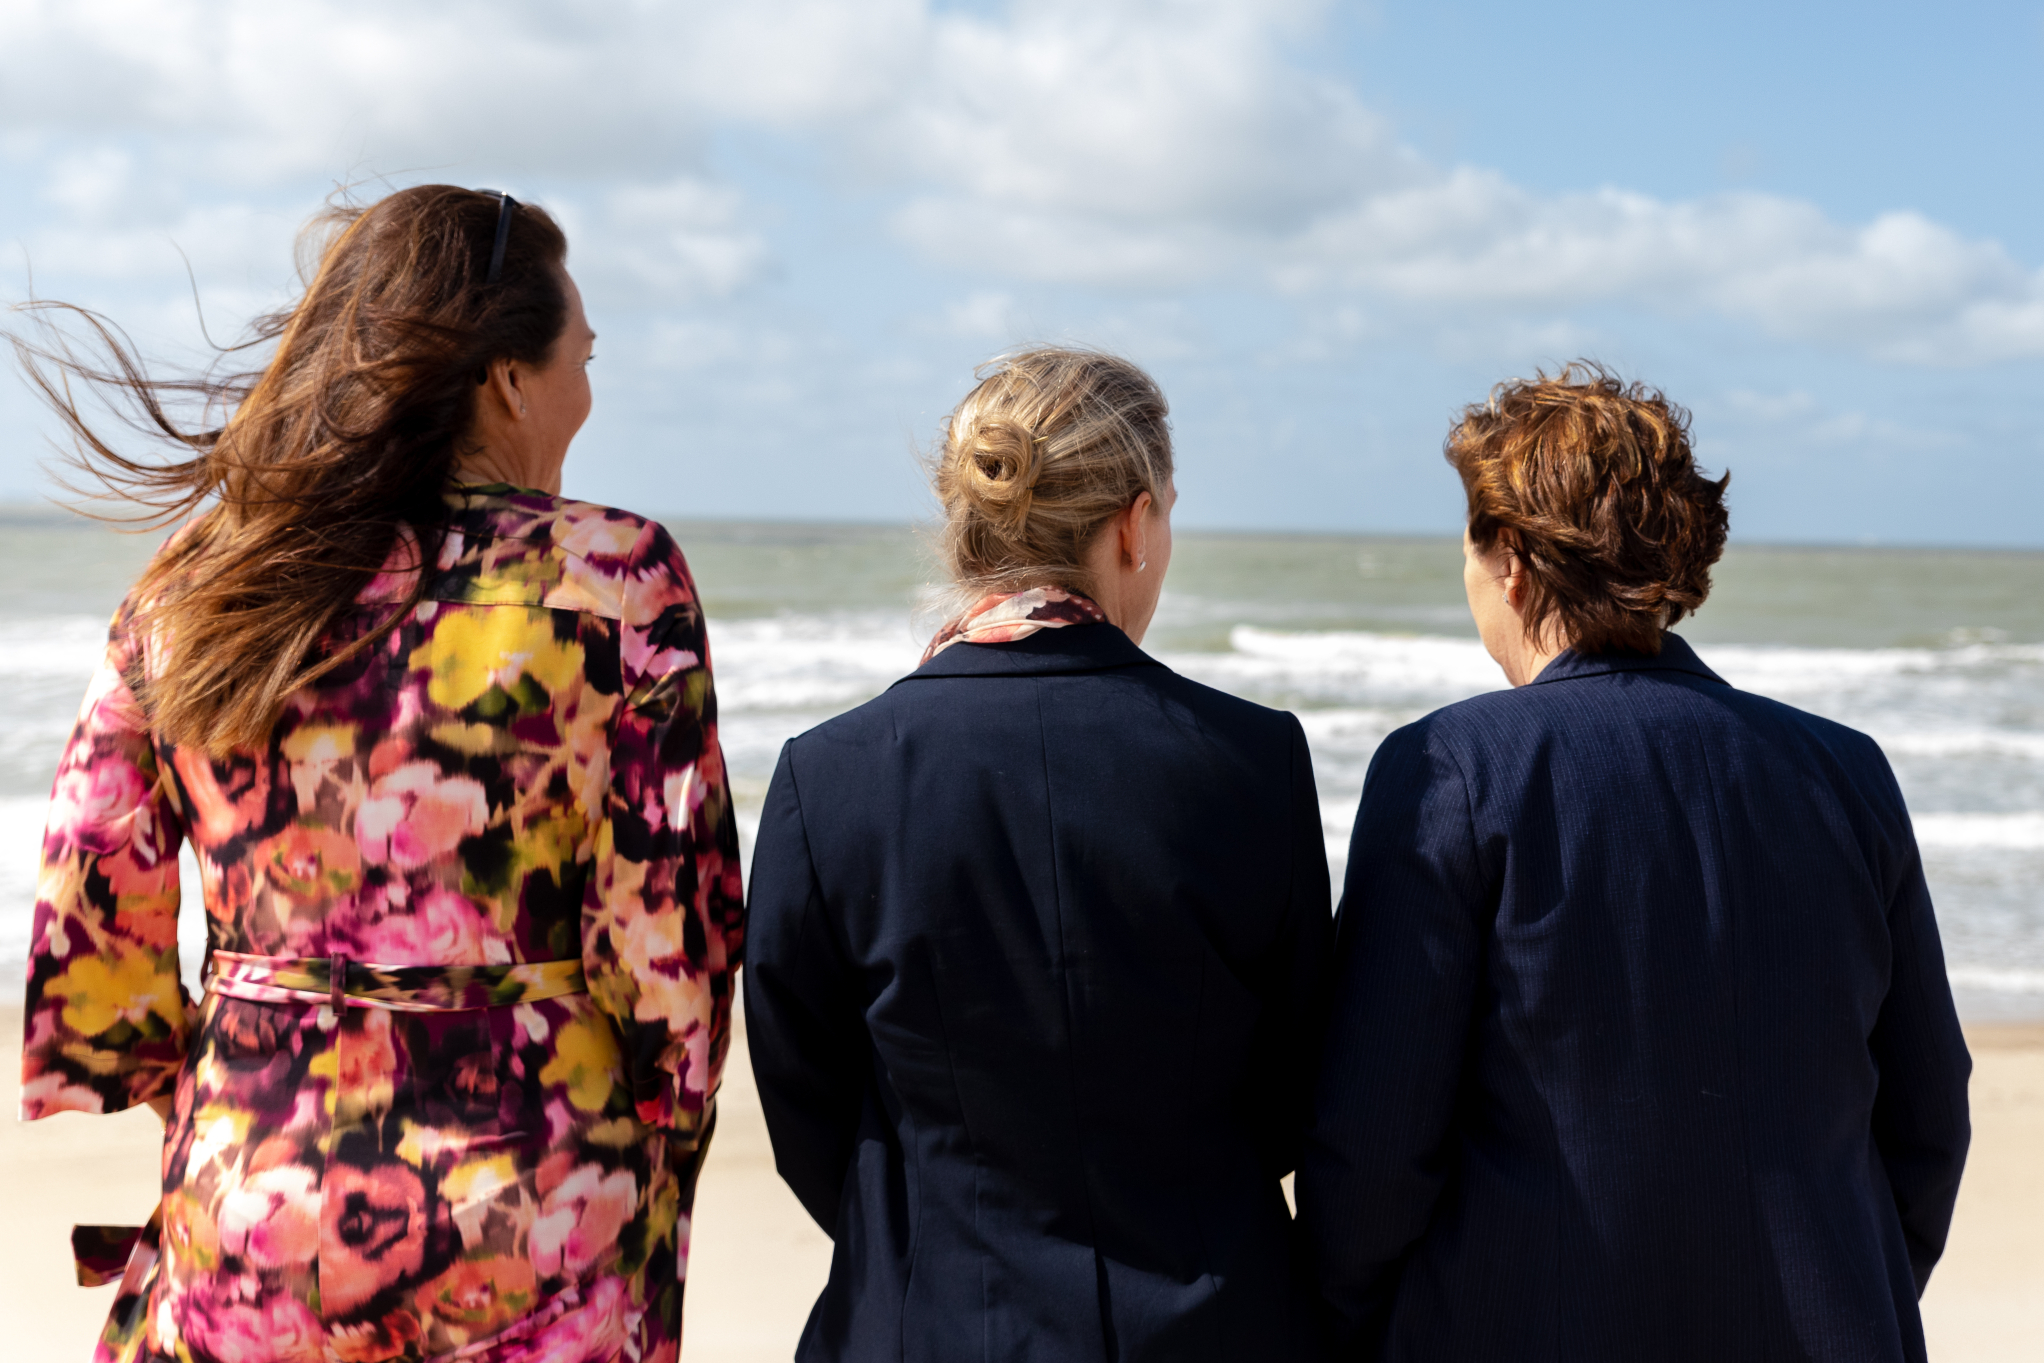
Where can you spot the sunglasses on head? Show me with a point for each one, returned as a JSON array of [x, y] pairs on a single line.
[[506, 205]]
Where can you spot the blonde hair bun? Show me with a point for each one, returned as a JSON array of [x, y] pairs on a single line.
[[1051, 445], [997, 467]]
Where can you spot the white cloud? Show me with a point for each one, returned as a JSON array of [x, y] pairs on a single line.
[[983, 315], [1115, 144], [1902, 287], [1800, 418], [685, 238], [1144, 144], [253, 91]]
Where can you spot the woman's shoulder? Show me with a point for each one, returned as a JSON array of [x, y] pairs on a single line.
[[924, 702], [1226, 709], [1547, 718], [516, 546]]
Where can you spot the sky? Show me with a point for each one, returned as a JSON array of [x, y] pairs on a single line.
[[800, 224]]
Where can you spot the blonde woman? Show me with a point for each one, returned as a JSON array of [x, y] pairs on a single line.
[[1037, 936]]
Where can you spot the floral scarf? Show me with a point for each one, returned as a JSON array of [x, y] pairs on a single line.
[[1007, 616]]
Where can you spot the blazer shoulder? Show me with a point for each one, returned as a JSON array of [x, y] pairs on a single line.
[[1508, 720], [866, 722], [1225, 708], [1847, 745]]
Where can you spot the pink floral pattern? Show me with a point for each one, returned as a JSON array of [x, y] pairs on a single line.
[[484, 1159], [1007, 616]]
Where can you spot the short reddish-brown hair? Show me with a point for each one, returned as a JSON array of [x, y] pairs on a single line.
[[1591, 481]]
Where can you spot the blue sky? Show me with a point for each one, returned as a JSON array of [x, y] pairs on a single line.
[[1324, 227]]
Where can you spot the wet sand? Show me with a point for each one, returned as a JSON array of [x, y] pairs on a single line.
[[758, 1260]]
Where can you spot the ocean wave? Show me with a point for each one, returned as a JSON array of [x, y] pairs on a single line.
[[1439, 663], [55, 646], [1996, 979], [807, 662], [2024, 744], [1975, 832], [21, 843], [1344, 668]]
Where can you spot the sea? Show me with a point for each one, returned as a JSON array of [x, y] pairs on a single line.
[[1938, 654]]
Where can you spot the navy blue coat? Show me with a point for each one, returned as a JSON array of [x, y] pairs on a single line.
[[1641, 1047], [1035, 964]]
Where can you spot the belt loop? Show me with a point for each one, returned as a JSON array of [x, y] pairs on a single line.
[[337, 981]]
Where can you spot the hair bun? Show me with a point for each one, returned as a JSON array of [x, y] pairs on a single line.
[[996, 461], [1051, 445]]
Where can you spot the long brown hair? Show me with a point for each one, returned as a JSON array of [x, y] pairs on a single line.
[[332, 457]]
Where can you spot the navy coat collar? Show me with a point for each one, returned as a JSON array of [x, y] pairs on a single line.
[[1676, 656], [1072, 648]]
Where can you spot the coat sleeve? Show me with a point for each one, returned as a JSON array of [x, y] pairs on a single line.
[[1409, 952], [1295, 986], [105, 1021], [1921, 1122], [803, 1021], [663, 914]]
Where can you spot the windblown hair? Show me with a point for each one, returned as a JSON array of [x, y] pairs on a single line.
[[1037, 459], [332, 458], [1591, 481]]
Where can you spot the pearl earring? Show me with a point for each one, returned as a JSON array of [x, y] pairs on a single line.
[[1142, 564]]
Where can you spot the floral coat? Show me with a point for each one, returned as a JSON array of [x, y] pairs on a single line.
[[525, 771]]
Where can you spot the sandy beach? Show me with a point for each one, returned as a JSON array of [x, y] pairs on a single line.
[[758, 1260]]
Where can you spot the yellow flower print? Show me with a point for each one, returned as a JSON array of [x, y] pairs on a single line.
[[585, 1059], [474, 649], [127, 986], [478, 789]]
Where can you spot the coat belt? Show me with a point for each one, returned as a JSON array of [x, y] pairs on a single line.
[[342, 983]]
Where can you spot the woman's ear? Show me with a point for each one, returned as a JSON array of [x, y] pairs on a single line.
[[507, 386], [1135, 531]]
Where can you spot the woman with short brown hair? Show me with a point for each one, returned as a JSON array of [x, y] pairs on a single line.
[[1642, 1047], [444, 744]]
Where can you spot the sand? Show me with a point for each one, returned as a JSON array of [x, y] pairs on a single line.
[[759, 1261]]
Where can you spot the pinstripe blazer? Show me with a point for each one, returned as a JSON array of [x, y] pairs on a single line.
[[1641, 1047]]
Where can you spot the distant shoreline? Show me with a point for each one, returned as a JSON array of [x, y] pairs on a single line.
[[754, 529]]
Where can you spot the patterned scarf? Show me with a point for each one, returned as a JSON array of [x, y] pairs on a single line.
[[1007, 616]]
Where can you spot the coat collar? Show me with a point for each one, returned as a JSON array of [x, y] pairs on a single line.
[[1675, 656], [1074, 648]]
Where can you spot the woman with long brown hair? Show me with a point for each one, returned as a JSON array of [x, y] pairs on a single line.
[[445, 746]]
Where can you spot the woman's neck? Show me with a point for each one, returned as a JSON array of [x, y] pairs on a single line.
[[484, 465]]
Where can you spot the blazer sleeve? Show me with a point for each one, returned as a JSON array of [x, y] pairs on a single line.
[[1295, 987], [105, 1023], [663, 913], [1921, 1122], [803, 1022], [1408, 965]]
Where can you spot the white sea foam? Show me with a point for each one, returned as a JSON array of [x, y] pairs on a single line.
[[1996, 979], [59, 646], [21, 836], [1952, 832], [1339, 666], [807, 662], [2015, 743], [1964, 725]]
